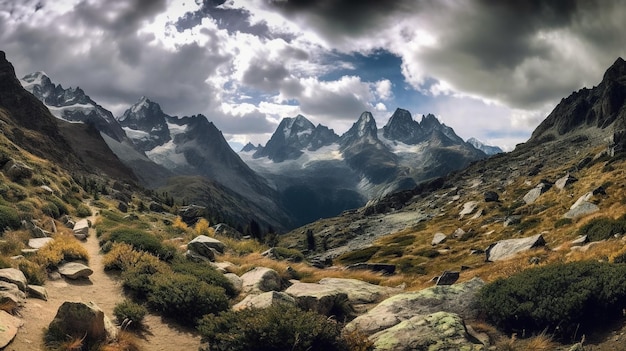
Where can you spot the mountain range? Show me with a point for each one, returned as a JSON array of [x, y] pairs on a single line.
[[304, 172]]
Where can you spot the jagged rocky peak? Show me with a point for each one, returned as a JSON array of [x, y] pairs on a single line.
[[250, 147], [487, 149], [322, 136], [145, 124], [588, 110], [363, 129], [402, 127], [290, 138]]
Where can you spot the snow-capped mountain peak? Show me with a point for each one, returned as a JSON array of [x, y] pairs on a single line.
[[487, 149], [146, 124], [402, 127]]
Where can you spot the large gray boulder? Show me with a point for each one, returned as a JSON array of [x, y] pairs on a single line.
[[439, 331], [8, 328], [358, 291], [202, 244], [81, 229], [14, 276], [468, 208], [38, 243], [505, 249], [75, 270], [265, 300], [323, 299], [582, 207], [261, 279], [235, 281], [438, 238], [457, 298], [535, 192], [568, 179], [82, 320]]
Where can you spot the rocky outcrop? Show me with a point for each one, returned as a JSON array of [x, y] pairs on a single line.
[[8, 328], [434, 332], [508, 248], [582, 207], [11, 297], [261, 279], [265, 300], [457, 298], [358, 291], [323, 299], [206, 246], [227, 231], [17, 171], [384, 268], [535, 192], [14, 276]]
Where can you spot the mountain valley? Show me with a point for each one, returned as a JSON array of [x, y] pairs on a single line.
[[394, 238]]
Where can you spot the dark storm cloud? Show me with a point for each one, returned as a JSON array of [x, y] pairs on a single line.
[[120, 17]]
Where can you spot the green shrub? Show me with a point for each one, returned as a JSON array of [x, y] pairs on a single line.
[[562, 222], [603, 228], [130, 314], [9, 218], [293, 255], [136, 278], [358, 256], [277, 328], [60, 204], [204, 273], [527, 224], [184, 297], [35, 274], [141, 240], [427, 252], [51, 210], [563, 299], [83, 211]]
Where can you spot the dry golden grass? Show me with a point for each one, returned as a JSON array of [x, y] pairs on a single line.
[[125, 341], [63, 247]]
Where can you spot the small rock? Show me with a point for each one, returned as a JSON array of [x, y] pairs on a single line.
[[8, 328], [438, 238], [122, 207], [468, 208], [38, 292], [202, 243], [491, 196], [458, 233], [448, 278], [75, 270], [14, 276], [507, 248], [38, 243], [81, 227]]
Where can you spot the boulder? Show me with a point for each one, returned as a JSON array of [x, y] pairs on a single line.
[[156, 207], [8, 328], [11, 297], [568, 179], [580, 240], [196, 257], [384, 268], [583, 209], [123, 207], [459, 232], [507, 248], [440, 331], [14, 276], [202, 244], [448, 278], [81, 227], [457, 298], [468, 208], [261, 279], [323, 299], [190, 214], [223, 267], [491, 196], [37, 292], [38, 243], [82, 320], [265, 300], [227, 231], [75, 270], [438, 238], [535, 192], [358, 291], [235, 281]]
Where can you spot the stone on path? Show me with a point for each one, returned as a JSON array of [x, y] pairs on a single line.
[[81, 229], [75, 270], [79, 319], [37, 292]]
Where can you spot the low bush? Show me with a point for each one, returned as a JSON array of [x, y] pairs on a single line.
[[83, 211], [51, 210], [141, 240], [62, 248], [204, 273], [60, 204], [35, 274], [564, 299], [277, 328], [293, 255], [120, 256], [130, 314], [562, 222], [603, 228], [9, 218], [185, 298], [358, 256], [136, 279], [427, 252]]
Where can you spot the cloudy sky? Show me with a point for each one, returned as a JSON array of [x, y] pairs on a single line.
[[490, 69]]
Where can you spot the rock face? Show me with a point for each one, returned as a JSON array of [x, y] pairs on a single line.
[[434, 332], [507, 248], [457, 298], [261, 279], [323, 299], [8, 328], [75, 270], [82, 320]]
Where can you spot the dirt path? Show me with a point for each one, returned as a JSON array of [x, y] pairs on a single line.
[[104, 290]]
